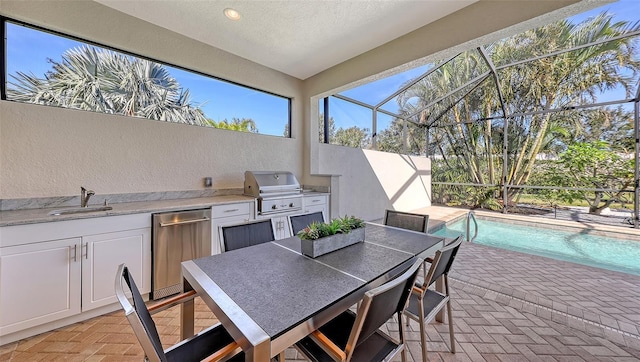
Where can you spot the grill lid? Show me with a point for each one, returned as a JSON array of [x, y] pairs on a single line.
[[270, 183]]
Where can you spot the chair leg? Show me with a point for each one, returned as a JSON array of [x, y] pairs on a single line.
[[423, 332], [402, 331], [281, 357], [452, 346]]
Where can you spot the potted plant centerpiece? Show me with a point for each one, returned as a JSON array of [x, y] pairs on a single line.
[[321, 238]]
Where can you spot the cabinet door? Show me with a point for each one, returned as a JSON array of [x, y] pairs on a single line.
[[101, 255], [281, 229], [40, 283]]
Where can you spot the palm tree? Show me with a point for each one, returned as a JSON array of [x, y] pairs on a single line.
[[569, 78], [236, 124], [101, 80]]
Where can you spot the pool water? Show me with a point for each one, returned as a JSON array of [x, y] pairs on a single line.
[[598, 251]]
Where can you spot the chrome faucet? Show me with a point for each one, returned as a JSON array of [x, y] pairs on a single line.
[[85, 195]]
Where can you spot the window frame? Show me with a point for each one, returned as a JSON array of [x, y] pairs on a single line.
[[4, 76]]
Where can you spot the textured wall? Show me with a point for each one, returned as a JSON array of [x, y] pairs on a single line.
[[52, 152], [373, 181]]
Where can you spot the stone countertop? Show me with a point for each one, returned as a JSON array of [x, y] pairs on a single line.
[[312, 192], [33, 216]]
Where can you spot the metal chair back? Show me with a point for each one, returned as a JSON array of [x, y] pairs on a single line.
[[247, 234], [138, 316], [379, 305], [299, 222], [442, 261], [407, 220]]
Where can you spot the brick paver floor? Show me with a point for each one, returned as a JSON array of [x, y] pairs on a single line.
[[507, 306]]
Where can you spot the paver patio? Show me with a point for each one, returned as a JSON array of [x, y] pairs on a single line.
[[507, 306]]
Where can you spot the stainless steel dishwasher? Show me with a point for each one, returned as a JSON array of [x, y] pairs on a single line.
[[177, 236]]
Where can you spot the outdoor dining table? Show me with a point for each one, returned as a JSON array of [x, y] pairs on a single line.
[[269, 296]]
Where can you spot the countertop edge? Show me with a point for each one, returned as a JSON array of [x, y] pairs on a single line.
[[35, 216]]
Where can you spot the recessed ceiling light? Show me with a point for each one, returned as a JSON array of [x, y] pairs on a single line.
[[232, 14]]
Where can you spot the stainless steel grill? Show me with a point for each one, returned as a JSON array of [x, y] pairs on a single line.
[[276, 192]]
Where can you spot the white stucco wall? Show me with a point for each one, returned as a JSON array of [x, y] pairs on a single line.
[[53, 151], [372, 181]]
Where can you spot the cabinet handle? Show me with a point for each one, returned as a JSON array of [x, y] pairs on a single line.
[[231, 210], [162, 224], [75, 252], [86, 249], [315, 200]]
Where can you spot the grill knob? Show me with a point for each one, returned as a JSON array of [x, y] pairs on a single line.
[[274, 207], [291, 204]]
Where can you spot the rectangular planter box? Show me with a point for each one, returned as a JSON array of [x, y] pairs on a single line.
[[315, 248]]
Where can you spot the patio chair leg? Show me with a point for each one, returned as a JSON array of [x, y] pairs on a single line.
[[452, 346], [423, 342], [281, 357], [423, 332], [403, 337]]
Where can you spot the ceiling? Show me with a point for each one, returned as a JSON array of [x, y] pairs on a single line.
[[297, 37]]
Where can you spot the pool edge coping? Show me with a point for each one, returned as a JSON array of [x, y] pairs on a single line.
[[615, 232]]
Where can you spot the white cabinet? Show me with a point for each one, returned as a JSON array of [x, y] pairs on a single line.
[[101, 255], [314, 203], [310, 203], [50, 271], [40, 283], [228, 214], [281, 227]]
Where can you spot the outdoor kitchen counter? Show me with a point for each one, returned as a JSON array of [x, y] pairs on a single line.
[[33, 216]]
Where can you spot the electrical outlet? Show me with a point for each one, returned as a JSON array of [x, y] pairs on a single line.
[[208, 182]]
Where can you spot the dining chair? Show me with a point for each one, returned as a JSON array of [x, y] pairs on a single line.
[[407, 220], [356, 336], [425, 303], [246, 234], [212, 344], [299, 222]]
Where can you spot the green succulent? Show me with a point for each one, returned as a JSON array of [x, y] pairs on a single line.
[[336, 226]]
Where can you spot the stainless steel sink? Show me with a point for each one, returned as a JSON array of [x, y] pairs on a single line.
[[80, 210]]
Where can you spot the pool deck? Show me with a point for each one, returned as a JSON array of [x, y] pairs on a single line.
[[507, 306], [586, 298]]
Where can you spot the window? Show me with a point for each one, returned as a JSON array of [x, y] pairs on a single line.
[[54, 70]]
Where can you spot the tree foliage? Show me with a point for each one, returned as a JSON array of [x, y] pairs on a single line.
[[98, 80], [592, 165], [352, 136], [468, 151], [236, 124]]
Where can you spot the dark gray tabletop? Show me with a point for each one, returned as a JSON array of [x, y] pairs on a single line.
[[411, 242], [279, 288]]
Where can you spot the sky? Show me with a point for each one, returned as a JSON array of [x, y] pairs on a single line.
[[28, 51], [347, 114]]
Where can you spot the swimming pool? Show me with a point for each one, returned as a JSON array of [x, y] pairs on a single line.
[[578, 247]]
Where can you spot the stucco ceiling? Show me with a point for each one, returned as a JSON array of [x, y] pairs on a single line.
[[297, 37]]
